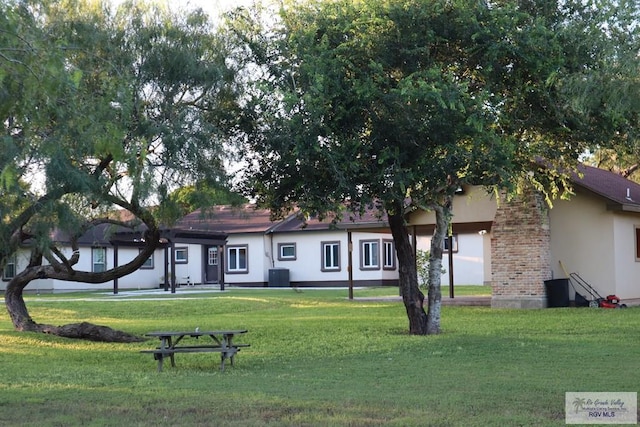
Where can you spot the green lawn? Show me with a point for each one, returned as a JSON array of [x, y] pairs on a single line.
[[316, 359]]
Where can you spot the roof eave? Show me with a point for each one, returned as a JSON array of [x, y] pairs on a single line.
[[623, 207]]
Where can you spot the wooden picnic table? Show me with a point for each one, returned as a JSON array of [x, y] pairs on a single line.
[[221, 342]]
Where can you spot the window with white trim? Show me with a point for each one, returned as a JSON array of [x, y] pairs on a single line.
[[330, 256], [370, 254], [454, 245], [389, 257], [9, 271], [181, 255], [237, 259], [98, 259], [148, 264], [286, 251]]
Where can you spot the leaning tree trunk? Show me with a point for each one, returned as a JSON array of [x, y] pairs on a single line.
[[412, 297], [22, 321], [16, 307]]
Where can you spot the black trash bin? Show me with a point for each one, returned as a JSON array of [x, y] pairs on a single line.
[[557, 292]]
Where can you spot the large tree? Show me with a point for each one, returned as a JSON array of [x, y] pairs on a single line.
[[613, 88], [394, 105], [101, 109], [189, 198]]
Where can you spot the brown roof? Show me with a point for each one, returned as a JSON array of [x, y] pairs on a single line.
[[228, 219], [249, 219], [613, 187], [367, 220]]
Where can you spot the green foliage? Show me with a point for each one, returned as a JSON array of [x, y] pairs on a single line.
[[379, 102], [422, 265], [315, 359], [202, 195], [371, 106], [104, 109], [605, 89]]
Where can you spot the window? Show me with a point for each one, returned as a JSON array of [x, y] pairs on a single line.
[[148, 264], [389, 262], [212, 256], [637, 230], [286, 251], [237, 259], [330, 256], [181, 255], [369, 254], [445, 244], [9, 271], [98, 260]]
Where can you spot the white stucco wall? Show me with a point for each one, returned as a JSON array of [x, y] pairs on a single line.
[[307, 267], [474, 205], [364, 274], [468, 262], [257, 259], [627, 267], [191, 271], [582, 238]]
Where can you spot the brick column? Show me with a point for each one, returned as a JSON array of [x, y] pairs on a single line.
[[520, 252]]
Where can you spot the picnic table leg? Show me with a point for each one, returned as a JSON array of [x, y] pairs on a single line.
[[160, 357], [230, 353], [169, 344]]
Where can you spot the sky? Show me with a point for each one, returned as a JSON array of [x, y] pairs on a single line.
[[213, 7]]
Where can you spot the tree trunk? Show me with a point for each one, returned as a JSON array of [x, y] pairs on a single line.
[[443, 219], [22, 321], [19, 314], [412, 297], [14, 302]]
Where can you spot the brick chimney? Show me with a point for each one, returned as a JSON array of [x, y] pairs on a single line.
[[520, 252]]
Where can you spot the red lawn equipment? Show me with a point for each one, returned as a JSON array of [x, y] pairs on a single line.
[[611, 301]]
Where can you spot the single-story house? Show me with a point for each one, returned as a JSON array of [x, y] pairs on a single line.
[[297, 252], [241, 246]]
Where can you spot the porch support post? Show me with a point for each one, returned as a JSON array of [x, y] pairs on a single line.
[[166, 268], [115, 264], [350, 261], [173, 268], [221, 266]]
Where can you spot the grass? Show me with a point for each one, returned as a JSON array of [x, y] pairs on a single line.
[[316, 359]]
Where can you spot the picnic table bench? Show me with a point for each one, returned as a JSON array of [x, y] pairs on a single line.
[[221, 342]]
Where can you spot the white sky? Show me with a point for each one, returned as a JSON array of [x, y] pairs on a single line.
[[213, 7]]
